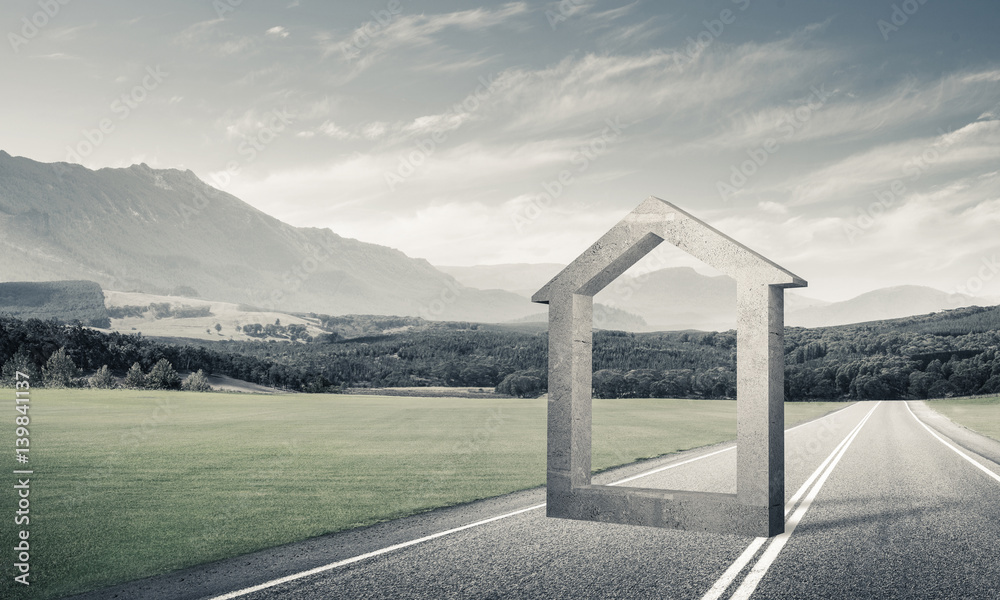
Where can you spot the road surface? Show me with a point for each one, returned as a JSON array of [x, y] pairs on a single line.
[[879, 505]]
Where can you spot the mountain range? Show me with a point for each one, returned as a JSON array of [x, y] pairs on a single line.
[[682, 298], [164, 231]]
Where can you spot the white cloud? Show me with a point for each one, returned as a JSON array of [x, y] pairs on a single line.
[[317, 109], [278, 32], [435, 123], [330, 129], [855, 178], [451, 64], [662, 85], [992, 76], [860, 113], [613, 13], [772, 207], [629, 35], [210, 37], [935, 237], [371, 41], [249, 123], [375, 130]]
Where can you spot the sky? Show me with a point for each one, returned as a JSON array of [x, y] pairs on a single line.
[[854, 142]]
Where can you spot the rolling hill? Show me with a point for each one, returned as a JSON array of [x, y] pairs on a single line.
[[64, 301], [886, 303]]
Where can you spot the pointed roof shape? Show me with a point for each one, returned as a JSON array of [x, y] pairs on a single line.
[[652, 222]]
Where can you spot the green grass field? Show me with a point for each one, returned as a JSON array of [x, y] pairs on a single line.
[[129, 484], [978, 414]]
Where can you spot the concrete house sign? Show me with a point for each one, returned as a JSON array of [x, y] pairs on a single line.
[[757, 507]]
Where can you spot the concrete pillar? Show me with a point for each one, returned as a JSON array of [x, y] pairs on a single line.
[[569, 410], [760, 376]]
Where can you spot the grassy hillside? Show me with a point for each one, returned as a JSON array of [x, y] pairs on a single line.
[[65, 301], [130, 313], [128, 484]]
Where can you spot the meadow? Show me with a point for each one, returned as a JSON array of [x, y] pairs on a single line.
[[978, 414], [131, 483]]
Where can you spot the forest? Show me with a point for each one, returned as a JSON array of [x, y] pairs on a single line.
[[938, 355]]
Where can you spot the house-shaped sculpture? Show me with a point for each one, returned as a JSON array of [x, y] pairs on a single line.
[[757, 508]]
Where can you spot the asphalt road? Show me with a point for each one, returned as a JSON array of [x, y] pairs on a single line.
[[878, 506]]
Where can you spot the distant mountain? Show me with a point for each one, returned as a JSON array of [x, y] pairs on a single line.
[[605, 317], [526, 279], [886, 303], [676, 298], [681, 298], [167, 232], [523, 279], [794, 301]]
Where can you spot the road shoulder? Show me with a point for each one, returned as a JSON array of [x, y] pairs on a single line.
[[962, 436]]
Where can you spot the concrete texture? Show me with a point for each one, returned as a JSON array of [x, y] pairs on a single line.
[[757, 508]]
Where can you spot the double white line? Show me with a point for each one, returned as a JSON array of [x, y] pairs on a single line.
[[757, 572]]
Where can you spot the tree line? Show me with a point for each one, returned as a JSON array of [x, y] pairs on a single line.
[[951, 353]]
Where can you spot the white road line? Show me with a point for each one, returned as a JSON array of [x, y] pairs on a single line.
[[734, 569], [727, 578], [959, 452], [388, 549], [805, 486], [671, 466], [733, 447], [758, 571], [361, 557]]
